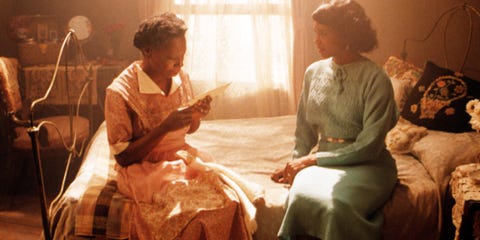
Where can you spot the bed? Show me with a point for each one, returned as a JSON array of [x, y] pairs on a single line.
[[431, 139], [254, 147]]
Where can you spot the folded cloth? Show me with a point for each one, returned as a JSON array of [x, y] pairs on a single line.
[[247, 192]]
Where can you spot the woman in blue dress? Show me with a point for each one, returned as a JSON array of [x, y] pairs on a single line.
[[341, 173]]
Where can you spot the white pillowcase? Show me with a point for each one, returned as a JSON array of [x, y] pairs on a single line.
[[441, 152]]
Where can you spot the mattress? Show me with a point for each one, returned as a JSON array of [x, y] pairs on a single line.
[[254, 148]]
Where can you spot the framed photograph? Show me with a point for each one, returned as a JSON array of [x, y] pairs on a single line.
[[42, 32], [53, 36]]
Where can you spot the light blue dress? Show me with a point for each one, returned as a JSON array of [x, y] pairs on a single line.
[[342, 196]]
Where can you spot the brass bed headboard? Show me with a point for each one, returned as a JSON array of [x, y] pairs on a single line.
[[70, 44], [470, 11]]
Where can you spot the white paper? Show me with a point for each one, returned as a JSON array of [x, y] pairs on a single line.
[[212, 93]]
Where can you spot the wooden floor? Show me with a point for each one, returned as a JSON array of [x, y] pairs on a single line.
[[20, 217], [20, 213]]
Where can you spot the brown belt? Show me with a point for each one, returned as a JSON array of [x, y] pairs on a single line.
[[337, 140]]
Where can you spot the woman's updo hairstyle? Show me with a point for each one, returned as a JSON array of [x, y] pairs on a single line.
[[348, 18], [156, 30]]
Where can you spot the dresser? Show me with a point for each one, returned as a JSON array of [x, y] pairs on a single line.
[[37, 79]]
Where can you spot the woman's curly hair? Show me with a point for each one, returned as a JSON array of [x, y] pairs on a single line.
[[156, 30], [348, 18]]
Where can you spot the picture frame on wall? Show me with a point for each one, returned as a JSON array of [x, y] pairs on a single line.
[[53, 36], [42, 32]]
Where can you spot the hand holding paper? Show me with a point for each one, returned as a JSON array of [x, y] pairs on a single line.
[[212, 93]]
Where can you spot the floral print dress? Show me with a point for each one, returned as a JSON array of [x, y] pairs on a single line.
[[173, 200]]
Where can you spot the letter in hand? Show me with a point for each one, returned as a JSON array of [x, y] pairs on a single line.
[[178, 119], [202, 107], [202, 101], [212, 93]]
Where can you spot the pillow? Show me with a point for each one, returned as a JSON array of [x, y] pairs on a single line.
[[441, 152], [401, 89], [403, 136], [404, 76], [403, 85], [439, 99], [396, 67]]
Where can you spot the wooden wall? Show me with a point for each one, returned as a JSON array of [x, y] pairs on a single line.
[[394, 20]]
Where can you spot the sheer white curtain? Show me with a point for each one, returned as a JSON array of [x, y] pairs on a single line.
[[246, 42]]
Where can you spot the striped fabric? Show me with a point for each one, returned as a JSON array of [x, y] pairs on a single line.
[[92, 207], [102, 211]]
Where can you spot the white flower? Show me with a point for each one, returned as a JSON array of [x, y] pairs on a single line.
[[473, 109]]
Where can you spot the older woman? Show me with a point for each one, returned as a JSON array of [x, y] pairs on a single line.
[[341, 174], [147, 120]]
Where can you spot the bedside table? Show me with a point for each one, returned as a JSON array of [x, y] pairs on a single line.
[[36, 80], [465, 188]]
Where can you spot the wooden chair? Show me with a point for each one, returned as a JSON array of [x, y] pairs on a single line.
[[53, 151]]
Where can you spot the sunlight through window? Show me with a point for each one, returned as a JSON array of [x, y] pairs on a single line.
[[238, 41]]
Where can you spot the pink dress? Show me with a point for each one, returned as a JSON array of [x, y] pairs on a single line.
[[173, 201]]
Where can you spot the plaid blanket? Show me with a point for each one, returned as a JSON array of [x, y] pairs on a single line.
[[91, 206], [102, 211]]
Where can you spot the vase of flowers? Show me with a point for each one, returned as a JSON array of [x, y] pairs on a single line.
[[114, 35]]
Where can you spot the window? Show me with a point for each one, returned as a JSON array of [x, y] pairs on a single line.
[[246, 42]]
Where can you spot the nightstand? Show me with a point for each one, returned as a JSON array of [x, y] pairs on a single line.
[[465, 188], [36, 80]]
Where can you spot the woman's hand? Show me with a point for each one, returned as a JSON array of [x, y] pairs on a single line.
[[277, 175], [288, 173], [178, 119], [199, 110], [202, 107]]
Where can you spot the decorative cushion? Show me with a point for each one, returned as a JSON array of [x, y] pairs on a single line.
[[439, 99], [396, 67], [404, 76]]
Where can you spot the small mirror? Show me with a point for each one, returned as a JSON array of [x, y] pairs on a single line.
[[82, 27]]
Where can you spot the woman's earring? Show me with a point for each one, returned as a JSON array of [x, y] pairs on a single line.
[[147, 52]]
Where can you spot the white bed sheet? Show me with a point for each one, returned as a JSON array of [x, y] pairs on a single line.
[[254, 147]]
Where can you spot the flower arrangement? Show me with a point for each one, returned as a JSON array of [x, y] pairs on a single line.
[[473, 109]]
